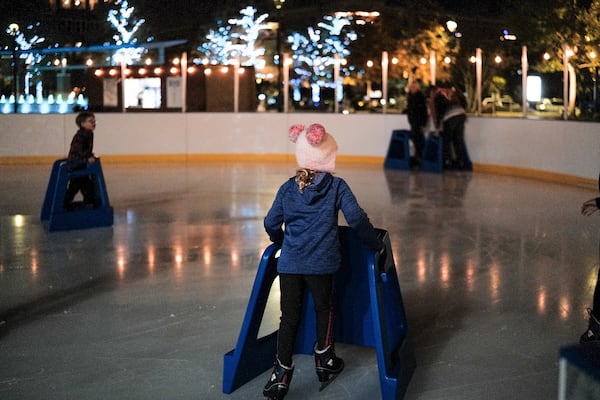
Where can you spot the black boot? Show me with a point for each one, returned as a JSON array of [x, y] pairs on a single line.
[[593, 332], [279, 382], [327, 363]]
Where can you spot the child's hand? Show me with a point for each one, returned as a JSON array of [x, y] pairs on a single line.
[[589, 207], [92, 159]]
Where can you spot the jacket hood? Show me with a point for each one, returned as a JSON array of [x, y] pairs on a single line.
[[318, 189]]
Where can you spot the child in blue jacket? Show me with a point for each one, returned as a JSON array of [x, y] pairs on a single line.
[[308, 206]]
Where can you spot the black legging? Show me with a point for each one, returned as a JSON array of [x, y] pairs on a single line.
[[85, 184], [453, 133], [292, 299]]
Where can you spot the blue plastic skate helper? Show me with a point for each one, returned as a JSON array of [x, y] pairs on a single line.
[[369, 312], [53, 215], [433, 154], [583, 359], [398, 154]]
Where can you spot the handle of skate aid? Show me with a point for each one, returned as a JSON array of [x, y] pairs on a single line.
[[381, 258]]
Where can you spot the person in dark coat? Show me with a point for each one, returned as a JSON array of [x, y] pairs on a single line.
[[416, 111], [449, 117]]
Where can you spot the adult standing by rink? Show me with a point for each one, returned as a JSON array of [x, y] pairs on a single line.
[[449, 117], [416, 112]]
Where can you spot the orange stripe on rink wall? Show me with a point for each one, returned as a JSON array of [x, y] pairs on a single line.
[[539, 175]]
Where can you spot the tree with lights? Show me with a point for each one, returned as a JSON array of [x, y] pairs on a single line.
[[238, 40], [314, 54], [26, 42], [126, 26]]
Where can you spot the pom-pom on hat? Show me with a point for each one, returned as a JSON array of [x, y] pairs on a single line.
[[315, 148]]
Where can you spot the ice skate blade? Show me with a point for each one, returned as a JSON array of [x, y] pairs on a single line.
[[327, 382]]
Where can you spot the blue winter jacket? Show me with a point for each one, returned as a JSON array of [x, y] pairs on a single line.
[[310, 240]]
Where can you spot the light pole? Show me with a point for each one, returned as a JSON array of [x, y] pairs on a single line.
[[478, 77], [13, 29]]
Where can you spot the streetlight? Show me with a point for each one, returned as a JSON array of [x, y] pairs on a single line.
[[13, 29], [452, 26]]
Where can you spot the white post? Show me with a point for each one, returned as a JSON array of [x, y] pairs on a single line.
[[384, 79], [478, 67], [565, 81], [432, 66], [336, 81], [236, 85], [572, 89], [286, 82], [123, 68], [184, 82], [524, 71]]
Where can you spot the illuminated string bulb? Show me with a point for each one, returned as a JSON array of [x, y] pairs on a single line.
[[570, 53]]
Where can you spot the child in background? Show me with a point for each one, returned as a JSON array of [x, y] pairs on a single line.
[[80, 154], [308, 206]]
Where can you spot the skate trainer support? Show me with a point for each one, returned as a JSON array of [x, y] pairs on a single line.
[[369, 312], [398, 154], [55, 218]]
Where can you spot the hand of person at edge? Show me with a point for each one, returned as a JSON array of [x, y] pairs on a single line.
[[589, 207]]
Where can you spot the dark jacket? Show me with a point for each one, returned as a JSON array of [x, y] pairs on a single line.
[[310, 242], [416, 109], [82, 146]]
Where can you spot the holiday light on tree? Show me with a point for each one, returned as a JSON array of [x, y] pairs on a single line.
[[126, 28]]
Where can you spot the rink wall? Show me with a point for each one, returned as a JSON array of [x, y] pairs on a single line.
[[551, 150]]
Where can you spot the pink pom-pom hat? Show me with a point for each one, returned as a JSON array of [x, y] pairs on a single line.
[[295, 131], [316, 149]]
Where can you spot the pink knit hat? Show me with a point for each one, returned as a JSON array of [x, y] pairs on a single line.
[[315, 148]]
